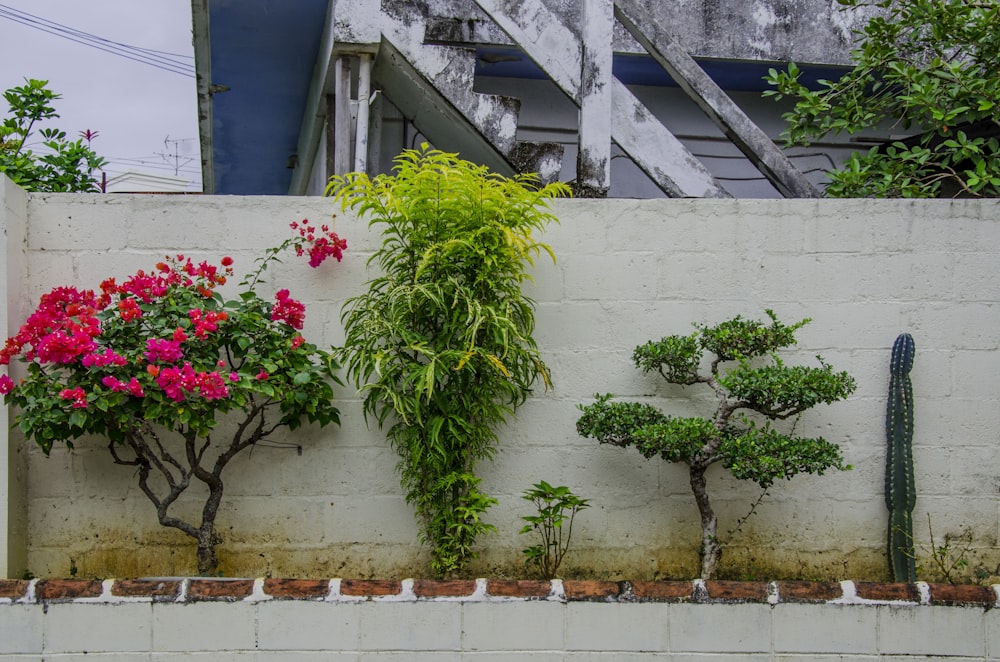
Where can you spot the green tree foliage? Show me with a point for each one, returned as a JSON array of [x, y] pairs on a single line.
[[441, 343], [65, 165], [749, 384], [926, 68]]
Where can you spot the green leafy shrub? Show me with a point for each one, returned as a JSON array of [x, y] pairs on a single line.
[[556, 508], [65, 165], [927, 67], [749, 450], [441, 344], [176, 378]]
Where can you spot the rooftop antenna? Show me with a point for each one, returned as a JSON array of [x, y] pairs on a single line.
[[172, 145]]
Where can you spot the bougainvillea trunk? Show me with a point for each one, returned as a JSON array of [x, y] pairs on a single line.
[[900, 489]]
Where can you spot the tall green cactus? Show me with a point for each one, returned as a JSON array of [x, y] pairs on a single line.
[[900, 488]]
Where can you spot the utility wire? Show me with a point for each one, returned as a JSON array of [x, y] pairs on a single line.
[[159, 59]]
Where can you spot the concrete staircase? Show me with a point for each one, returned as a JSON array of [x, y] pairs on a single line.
[[432, 85]]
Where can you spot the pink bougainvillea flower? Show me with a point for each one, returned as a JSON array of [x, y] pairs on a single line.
[[206, 322], [77, 395], [108, 357], [262, 374], [135, 388], [288, 310], [6, 384], [227, 261], [319, 248], [163, 351], [175, 382], [297, 342], [64, 347], [211, 386], [234, 377], [129, 309]]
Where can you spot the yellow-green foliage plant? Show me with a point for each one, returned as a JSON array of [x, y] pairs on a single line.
[[441, 342]]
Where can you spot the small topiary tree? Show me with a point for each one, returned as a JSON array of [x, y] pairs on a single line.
[[441, 342], [750, 451]]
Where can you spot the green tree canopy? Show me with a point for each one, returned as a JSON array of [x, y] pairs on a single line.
[[64, 165], [926, 69]]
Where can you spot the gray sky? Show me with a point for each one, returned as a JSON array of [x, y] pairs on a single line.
[[134, 106]]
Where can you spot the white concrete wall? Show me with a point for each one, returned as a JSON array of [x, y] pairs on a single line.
[[166, 622], [628, 271], [13, 274]]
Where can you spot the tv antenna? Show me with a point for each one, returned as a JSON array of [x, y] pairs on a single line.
[[173, 154]]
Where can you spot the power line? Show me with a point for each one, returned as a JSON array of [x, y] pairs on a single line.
[[159, 59]]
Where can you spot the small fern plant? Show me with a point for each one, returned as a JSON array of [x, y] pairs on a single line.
[[441, 342], [744, 383]]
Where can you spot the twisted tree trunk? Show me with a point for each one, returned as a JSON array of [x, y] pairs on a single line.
[[711, 550]]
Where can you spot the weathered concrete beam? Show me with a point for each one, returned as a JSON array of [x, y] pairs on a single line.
[[314, 116], [649, 30], [341, 119], [805, 31], [434, 114], [593, 162], [556, 50]]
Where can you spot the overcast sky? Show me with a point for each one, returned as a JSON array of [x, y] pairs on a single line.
[[134, 106]]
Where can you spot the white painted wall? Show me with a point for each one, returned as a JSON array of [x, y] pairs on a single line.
[[628, 271], [404, 627], [13, 276]]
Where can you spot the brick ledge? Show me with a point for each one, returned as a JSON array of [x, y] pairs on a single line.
[[15, 591]]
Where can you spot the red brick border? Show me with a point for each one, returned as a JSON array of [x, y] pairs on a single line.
[[798, 591], [518, 588], [13, 589], [147, 588], [229, 590], [887, 592], [952, 595], [725, 592], [297, 589], [729, 591], [67, 589], [661, 591], [453, 588], [370, 587], [591, 590]]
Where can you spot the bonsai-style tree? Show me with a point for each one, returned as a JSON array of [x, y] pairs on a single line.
[[64, 165], [441, 344], [176, 378], [743, 385], [927, 68]]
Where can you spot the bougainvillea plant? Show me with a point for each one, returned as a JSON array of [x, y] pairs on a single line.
[[177, 378]]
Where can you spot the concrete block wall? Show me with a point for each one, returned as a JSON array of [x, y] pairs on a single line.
[[627, 271], [275, 619]]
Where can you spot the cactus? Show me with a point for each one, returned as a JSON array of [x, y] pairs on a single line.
[[900, 489]]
